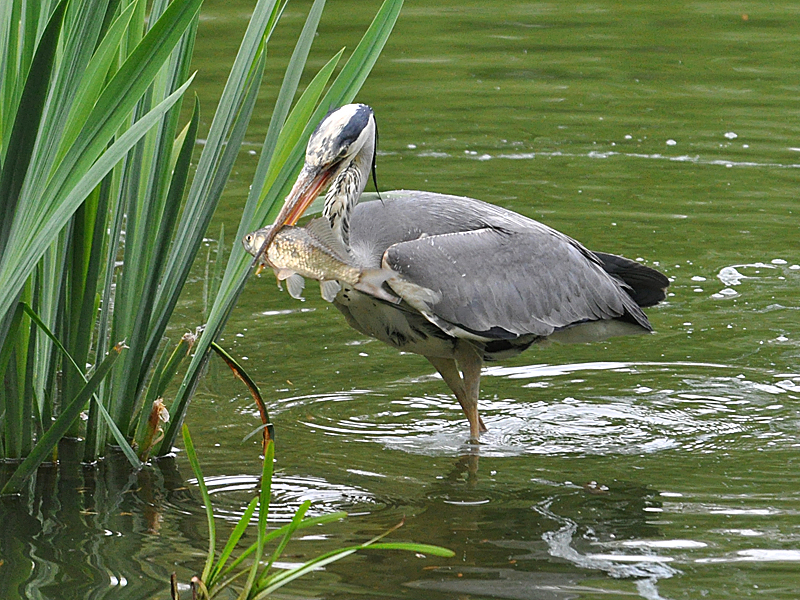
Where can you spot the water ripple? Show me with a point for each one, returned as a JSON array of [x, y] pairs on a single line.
[[685, 158], [707, 407], [232, 492]]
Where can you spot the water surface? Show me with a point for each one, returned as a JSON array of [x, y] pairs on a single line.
[[660, 466]]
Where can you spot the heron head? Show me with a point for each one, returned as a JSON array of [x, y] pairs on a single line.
[[344, 136], [340, 136]]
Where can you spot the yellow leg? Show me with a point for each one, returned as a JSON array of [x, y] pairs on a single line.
[[466, 387], [470, 362]]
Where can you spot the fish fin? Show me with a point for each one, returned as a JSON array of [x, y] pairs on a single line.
[[294, 285], [320, 228], [371, 282], [423, 300], [282, 274], [417, 296], [329, 288]]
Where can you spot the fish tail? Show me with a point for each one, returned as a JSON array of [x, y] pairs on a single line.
[[371, 282], [417, 296]]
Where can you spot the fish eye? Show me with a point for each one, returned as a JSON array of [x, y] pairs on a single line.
[[249, 238]]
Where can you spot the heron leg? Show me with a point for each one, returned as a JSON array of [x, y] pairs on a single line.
[[466, 388], [470, 361]]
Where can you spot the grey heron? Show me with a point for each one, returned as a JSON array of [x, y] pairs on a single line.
[[497, 281]]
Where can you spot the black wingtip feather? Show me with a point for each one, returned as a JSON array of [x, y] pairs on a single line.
[[646, 285]]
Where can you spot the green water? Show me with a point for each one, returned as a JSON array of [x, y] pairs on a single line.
[[659, 467]]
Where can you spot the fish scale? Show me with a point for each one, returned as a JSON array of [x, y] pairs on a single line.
[[314, 252]]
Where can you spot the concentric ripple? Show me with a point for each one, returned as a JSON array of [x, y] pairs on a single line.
[[595, 408], [232, 492]]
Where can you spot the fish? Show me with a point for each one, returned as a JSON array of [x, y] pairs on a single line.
[[314, 252]]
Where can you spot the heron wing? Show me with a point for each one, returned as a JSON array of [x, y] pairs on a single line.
[[497, 283]]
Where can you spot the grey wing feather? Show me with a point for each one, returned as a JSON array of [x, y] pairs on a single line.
[[495, 271], [501, 284]]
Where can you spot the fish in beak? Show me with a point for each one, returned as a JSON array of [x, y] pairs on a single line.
[[310, 182]]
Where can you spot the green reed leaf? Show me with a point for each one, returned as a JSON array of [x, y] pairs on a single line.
[[343, 90], [71, 411]]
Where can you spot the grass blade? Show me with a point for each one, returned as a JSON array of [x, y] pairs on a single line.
[[122, 442], [234, 538], [293, 525], [263, 511], [279, 580], [412, 547], [311, 522], [292, 133], [24, 306], [283, 103], [364, 57], [201, 483]]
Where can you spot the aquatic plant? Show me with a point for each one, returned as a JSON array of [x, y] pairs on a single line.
[[98, 231], [90, 102], [258, 579], [282, 156]]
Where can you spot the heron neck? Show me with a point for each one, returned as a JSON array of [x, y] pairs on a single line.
[[344, 194]]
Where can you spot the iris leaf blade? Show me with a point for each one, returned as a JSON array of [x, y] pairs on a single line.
[[14, 271], [72, 410], [349, 82]]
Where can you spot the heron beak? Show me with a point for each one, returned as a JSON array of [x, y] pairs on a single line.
[[308, 185]]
